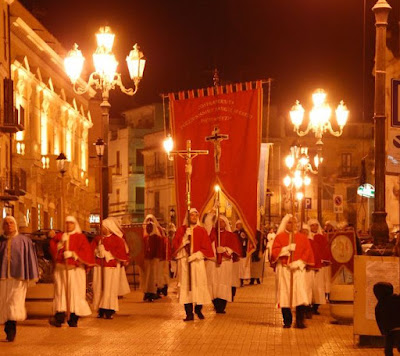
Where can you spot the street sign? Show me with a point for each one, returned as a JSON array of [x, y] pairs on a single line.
[[393, 151], [338, 204], [308, 203], [366, 190]]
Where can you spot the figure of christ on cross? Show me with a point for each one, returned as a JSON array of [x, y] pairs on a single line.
[[216, 138]]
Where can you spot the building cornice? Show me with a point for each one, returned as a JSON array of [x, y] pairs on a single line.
[[42, 46]]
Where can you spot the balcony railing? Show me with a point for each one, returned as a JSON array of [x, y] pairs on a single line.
[[155, 171], [348, 171]]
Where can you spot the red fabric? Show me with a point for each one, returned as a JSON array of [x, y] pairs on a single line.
[[201, 241], [238, 115], [302, 252], [134, 239], [79, 244], [165, 249], [113, 244], [228, 239], [321, 249], [153, 246]]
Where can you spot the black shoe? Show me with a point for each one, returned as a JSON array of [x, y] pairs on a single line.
[[10, 329], [100, 314], [300, 325], [189, 318], [58, 319], [197, 310], [258, 281], [308, 313], [109, 314], [54, 322], [241, 282], [221, 312], [164, 291], [73, 320], [287, 326], [251, 282], [315, 309]]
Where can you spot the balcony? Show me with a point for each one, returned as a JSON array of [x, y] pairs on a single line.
[[18, 188], [155, 171], [348, 172], [12, 119]]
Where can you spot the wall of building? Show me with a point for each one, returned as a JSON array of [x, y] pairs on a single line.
[[56, 120]]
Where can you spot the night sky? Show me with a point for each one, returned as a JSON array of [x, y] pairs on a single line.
[[301, 44]]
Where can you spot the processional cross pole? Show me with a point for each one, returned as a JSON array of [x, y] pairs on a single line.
[[188, 155], [216, 138]]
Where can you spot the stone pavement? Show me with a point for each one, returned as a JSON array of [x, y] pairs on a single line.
[[252, 326]]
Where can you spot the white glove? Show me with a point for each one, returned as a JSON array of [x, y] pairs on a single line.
[[284, 251], [108, 256], [292, 247], [297, 265], [69, 254], [60, 245], [221, 249], [195, 256], [64, 237], [188, 232]]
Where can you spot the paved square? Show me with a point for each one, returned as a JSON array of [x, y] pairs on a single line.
[[252, 326]]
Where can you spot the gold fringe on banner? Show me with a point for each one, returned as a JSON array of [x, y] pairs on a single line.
[[218, 90]]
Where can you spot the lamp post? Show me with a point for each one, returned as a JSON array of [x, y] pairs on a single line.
[[100, 146], [379, 228], [104, 78], [61, 160], [319, 123], [299, 166]]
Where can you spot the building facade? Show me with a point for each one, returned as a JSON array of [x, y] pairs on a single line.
[[126, 162], [48, 119]]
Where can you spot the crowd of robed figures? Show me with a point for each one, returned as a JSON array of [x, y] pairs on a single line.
[[209, 260]]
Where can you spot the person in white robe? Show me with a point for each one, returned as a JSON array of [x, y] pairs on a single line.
[[110, 253], [18, 267], [190, 246], [71, 254]]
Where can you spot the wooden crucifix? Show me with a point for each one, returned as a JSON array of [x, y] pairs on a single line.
[[216, 138]]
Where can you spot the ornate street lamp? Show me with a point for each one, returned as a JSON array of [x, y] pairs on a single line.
[[299, 165], [379, 228], [104, 78], [61, 166], [319, 123], [100, 146], [61, 159]]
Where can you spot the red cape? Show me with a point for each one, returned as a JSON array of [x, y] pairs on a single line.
[[115, 245], [201, 241], [228, 239], [303, 249], [79, 244], [321, 250]]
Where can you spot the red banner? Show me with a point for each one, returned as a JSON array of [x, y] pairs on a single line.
[[224, 111], [134, 239]]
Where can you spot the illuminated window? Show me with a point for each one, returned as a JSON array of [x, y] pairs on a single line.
[[43, 135], [39, 216], [68, 145], [83, 156]]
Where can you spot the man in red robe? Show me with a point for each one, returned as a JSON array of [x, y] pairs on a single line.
[[71, 254], [109, 250], [153, 247], [291, 253], [322, 256], [219, 272], [190, 246]]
